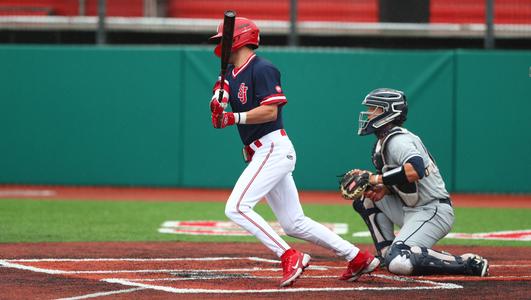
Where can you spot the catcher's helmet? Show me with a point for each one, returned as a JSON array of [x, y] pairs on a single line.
[[394, 110], [245, 33]]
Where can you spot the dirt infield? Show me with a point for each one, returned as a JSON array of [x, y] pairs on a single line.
[[163, 270], [218, 195]]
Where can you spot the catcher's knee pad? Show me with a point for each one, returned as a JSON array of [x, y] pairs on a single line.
[[430, 262], [371, 216], [398, 259]]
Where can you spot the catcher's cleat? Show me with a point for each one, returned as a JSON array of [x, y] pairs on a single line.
[[293, 264], [363, 263], [477, 266]]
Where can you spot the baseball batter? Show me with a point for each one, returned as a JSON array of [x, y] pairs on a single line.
[[407, 190], [255, 94]]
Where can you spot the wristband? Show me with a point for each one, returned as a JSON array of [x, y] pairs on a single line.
[[395, 176], [241, 118]]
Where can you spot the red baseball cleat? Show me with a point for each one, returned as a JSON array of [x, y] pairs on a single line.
[[363, 263], [293, 264]]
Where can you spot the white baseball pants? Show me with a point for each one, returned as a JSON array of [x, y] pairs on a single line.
[[269, 175]]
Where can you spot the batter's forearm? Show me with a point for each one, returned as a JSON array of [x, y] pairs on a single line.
[[262, 114]]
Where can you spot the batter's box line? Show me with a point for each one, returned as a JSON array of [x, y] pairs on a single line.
[[218, 277], [62, 272], [220, 258], [434, 286]]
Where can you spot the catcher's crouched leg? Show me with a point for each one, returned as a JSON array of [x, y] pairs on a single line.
[[398, 259], [404, 260], [380, 227]]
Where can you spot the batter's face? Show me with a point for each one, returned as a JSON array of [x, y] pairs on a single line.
[[231, 58]]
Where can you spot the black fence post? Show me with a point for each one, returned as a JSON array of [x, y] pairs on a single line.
[[404, 11]]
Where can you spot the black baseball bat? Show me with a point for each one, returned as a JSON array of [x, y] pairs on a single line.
[[226, 46]]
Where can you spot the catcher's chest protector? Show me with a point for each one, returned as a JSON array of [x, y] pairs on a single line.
[[377, 158], [407, 192], [382, 146]]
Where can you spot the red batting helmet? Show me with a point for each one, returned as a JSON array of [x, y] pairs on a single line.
[[245, 33]]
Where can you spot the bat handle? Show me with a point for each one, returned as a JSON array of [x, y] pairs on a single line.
[[222, 85]]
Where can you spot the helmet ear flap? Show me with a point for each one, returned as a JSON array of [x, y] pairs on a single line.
[[403, 116]]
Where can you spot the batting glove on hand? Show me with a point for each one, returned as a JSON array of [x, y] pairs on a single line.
[[223, 119], [216, 106]]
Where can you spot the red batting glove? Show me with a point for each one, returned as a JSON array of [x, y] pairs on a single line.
[[217, 85], [216, 107], [223, 120], [216, 91]]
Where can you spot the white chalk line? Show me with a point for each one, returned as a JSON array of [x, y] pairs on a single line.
[[4, 263], [167, 271], [103, 294], [29, 268], [142, 259], [225, 277], [140, 286], [245, 276], [252, 258], [285, 290], [324, 277], [62, 272], [27, 193]]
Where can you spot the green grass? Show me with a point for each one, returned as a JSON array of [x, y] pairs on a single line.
[[62, 221]]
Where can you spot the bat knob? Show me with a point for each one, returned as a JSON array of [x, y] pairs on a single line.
[[230, 13]]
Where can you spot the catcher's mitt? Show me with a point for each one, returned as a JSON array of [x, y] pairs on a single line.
[[353, 184]]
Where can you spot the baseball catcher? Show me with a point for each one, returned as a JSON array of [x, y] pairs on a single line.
[[406, 190]]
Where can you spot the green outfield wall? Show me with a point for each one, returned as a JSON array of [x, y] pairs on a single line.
[[140, 116]]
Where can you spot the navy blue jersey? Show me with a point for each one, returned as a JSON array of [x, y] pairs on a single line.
[[255, 83]]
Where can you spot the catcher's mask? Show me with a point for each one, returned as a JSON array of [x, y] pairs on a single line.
[[245, 33], [393, 106]]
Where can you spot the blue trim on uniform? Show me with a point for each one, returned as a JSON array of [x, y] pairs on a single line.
[[418, 164]]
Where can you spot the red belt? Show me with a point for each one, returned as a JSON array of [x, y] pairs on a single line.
[[248, 152]]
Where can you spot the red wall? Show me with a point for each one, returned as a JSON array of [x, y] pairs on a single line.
[[126, 8], [442, 11]]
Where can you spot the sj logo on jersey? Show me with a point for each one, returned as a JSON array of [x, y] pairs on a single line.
[[242, 93]]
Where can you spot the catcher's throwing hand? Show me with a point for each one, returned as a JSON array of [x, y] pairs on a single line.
[[354, 183], [375, 193]]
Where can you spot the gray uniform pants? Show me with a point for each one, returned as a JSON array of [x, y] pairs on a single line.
[[421, 226]]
